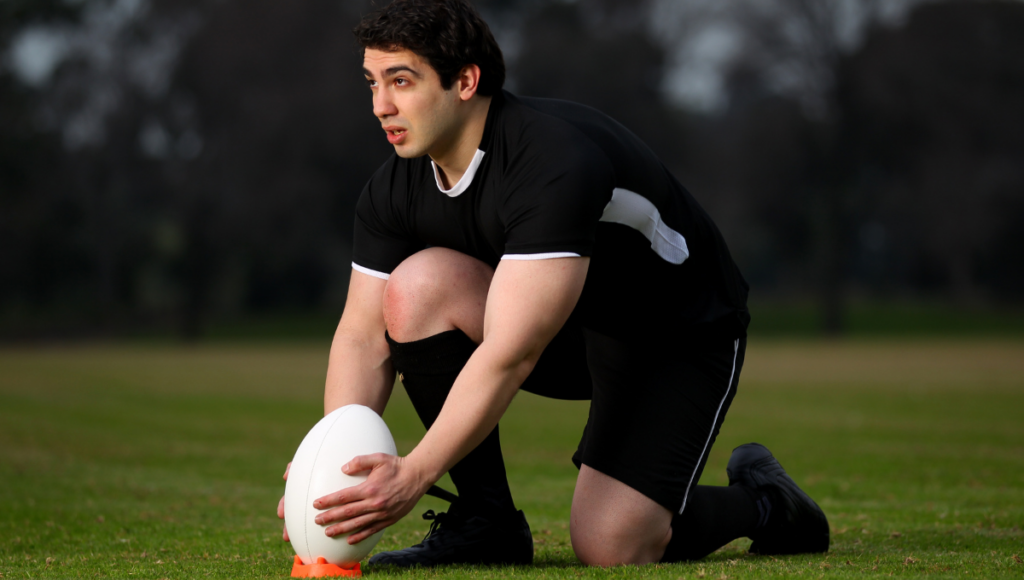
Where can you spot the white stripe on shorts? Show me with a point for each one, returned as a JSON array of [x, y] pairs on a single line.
[[728, 387]]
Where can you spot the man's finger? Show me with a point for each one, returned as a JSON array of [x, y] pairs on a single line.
[[347, 495], [280, 505], [346, 512], [361, 463], [353, 526], [367, 532]]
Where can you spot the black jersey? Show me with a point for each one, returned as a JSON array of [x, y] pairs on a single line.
[[556, 179]]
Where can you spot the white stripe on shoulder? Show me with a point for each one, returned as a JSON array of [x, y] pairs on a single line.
[[370, 272], [545, 256], [636, 211]]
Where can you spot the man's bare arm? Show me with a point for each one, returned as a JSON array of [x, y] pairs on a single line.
[[527, 304], [359, 370]]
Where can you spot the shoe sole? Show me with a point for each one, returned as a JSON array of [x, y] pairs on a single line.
[[806, 529]]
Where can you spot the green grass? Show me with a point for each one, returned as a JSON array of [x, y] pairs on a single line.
[[878, 319], [166, 461], [772, 319]]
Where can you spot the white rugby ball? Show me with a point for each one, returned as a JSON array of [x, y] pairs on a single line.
[[316, 471]]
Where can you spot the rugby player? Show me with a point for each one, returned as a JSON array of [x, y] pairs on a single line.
[[519, 243]]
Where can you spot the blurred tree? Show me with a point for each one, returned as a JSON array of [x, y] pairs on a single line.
[[755, 156], [37, 218], [288, 140], [214, 182], [795, 167], [799, 46], [865, 153], [939, 104], [111, 82], [163, 162], [599, 53]]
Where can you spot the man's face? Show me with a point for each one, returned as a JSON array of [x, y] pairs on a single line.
[[418, 115]]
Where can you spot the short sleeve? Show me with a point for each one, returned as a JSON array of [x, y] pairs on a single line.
[[380, 239], [552, 206]]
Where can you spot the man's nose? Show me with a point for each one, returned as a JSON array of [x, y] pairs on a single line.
[[383, 104]]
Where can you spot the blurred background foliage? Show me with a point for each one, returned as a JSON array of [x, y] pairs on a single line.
[[172, 166]]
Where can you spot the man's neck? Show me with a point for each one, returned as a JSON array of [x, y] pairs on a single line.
[[454, 161]]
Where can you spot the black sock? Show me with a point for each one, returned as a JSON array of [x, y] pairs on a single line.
[[428, 369], [715, 516]]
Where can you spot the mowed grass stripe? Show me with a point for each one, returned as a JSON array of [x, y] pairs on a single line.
[[165, 461]]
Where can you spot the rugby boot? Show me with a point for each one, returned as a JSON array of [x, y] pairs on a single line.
[[456, 537], [795, 524]]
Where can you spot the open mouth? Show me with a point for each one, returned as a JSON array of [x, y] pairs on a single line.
[[396, 135]]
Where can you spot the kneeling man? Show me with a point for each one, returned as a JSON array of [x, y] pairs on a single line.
[[518, 243]]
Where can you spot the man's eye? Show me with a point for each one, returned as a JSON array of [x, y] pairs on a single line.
[[371, 83], [401, 82]]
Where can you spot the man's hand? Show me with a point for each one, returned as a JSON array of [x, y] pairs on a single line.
[[391, 491], [280, 504], [527, 303]]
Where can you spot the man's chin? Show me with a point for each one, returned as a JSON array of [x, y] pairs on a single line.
[[407, 152]]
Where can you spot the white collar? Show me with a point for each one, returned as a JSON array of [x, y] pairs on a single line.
[[467, 177]]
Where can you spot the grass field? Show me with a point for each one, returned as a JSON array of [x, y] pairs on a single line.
[[166, 461]]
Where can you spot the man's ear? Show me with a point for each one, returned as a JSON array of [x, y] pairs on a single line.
[[468, 81]]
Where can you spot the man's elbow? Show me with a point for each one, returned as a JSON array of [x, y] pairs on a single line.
[[523, 368], [517, 363]]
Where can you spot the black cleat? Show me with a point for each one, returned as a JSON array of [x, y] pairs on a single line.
[[458, 538], [798, 525]]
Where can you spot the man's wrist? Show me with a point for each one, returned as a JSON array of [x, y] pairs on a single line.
[[427, 472]]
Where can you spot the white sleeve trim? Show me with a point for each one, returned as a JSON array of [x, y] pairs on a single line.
[[370, 272], [545, 256]]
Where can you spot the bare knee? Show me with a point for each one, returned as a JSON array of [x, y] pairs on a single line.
[[613, 524], [608, 547], [436, 290]]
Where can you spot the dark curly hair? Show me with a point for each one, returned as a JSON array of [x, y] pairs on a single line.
[[449, 34]]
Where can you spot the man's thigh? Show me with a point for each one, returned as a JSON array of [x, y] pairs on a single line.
[[656, 411]]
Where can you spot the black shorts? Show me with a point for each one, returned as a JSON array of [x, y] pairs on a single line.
[[656, 408]]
